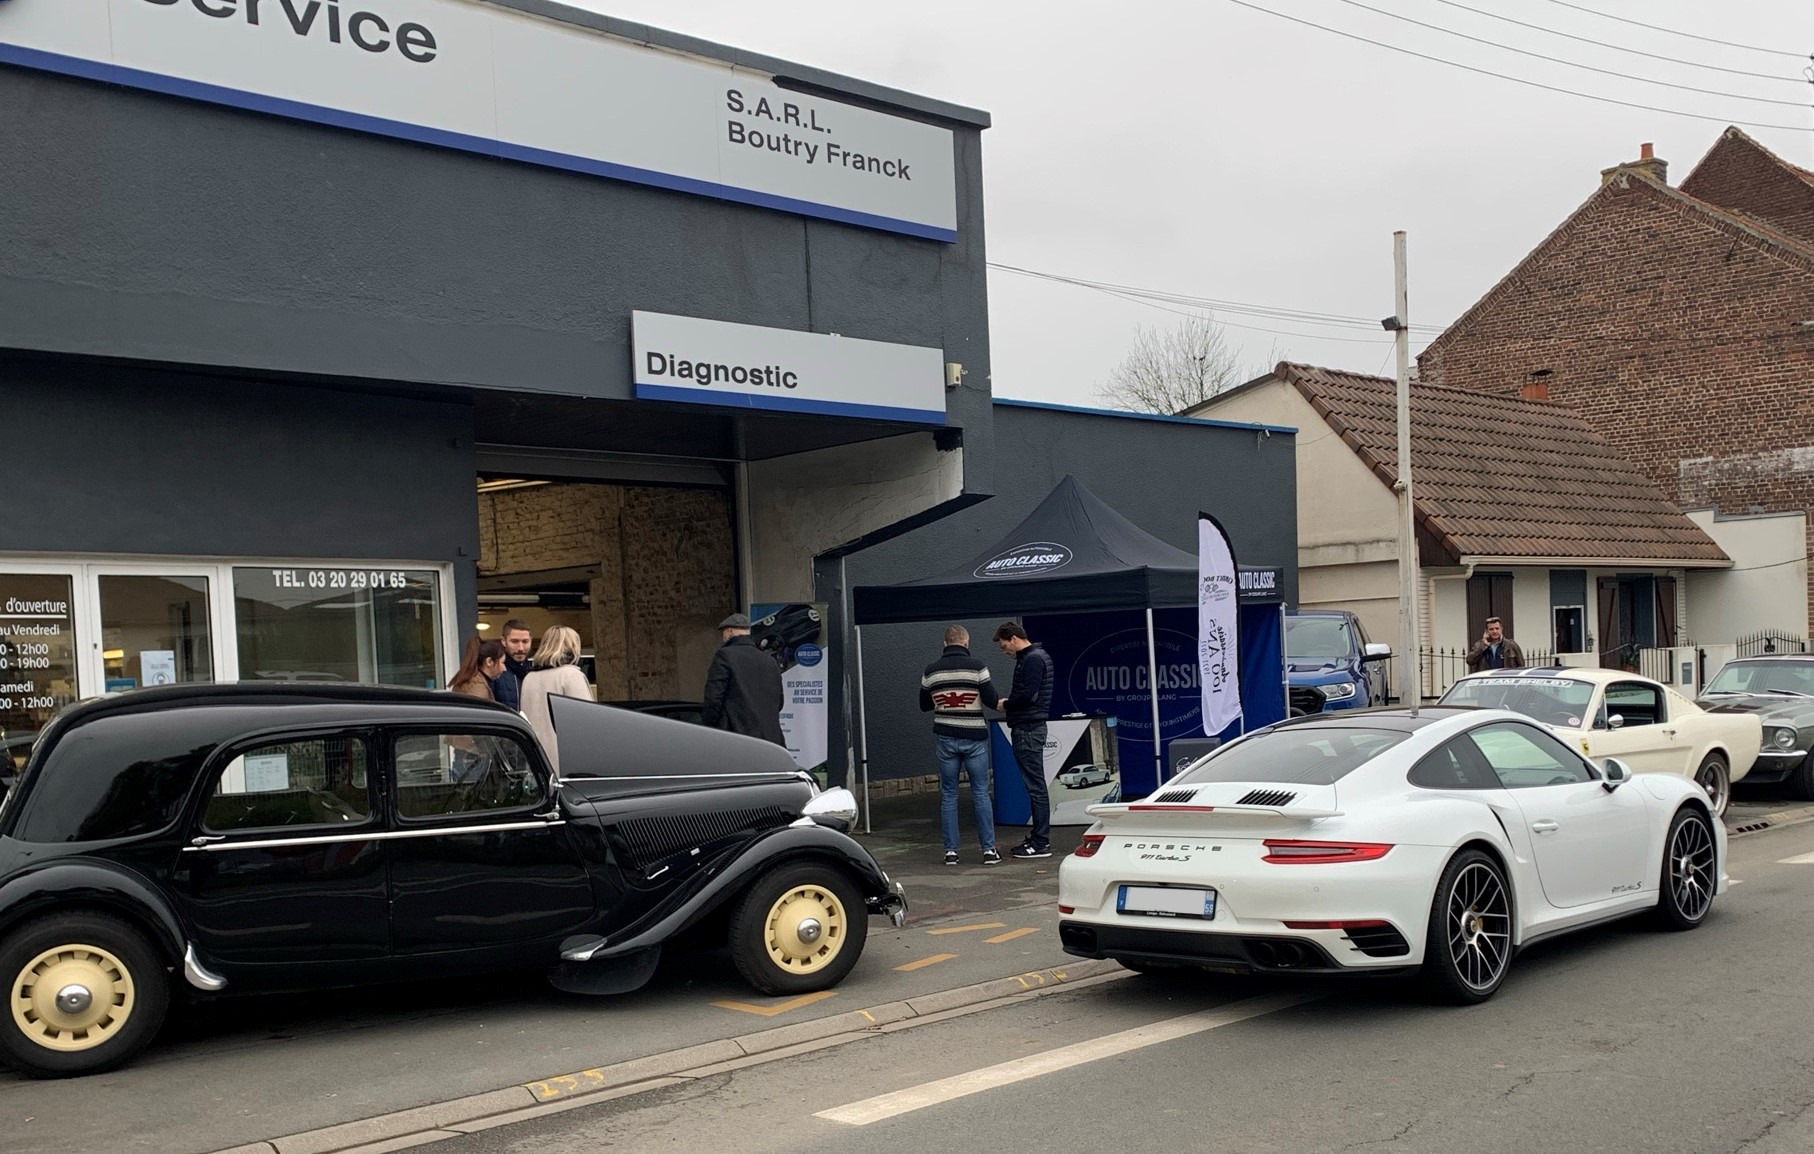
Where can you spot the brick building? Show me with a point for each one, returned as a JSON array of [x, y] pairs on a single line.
[[1679, 321]]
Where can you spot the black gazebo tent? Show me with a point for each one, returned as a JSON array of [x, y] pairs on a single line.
[[1071, 554]]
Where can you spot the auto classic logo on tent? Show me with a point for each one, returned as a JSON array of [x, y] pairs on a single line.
[[1026, 560]]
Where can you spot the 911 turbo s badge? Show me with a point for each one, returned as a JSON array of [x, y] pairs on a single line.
[[1171, 851]]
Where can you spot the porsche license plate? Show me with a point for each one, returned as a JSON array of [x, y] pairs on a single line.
[[1167, 902]]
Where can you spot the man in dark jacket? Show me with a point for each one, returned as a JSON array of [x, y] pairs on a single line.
[[1494, 650], [1028, 705], [956, 689], [743, 691], [508, 689]]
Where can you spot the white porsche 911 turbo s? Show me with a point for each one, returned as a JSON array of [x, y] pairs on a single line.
[[1440, 841]]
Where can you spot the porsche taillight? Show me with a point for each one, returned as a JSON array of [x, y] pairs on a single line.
[[1290, 851], [1088, 846]]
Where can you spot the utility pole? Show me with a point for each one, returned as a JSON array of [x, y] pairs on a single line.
[[1410, 662]]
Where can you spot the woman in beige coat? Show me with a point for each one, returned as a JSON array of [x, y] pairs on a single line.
[[556, 674]]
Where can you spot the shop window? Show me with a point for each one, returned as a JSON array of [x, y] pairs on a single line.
[[316, 623], [154, 630], [37, 658], [286, 785]]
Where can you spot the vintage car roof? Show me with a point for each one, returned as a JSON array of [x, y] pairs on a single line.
[[251, 695], [1774, 658], [1562, 672]]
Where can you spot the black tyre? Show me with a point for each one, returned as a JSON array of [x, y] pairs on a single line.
[[1714, 777], [1468, 950], [800, 928], [85, 992], [1802, 780], [1690, 871]]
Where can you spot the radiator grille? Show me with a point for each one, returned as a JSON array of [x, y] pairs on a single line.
[[648, 840], [1268, 797]]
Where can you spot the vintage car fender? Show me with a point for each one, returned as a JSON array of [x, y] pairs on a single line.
[[1737, 739], [798, 842], [70, 882]]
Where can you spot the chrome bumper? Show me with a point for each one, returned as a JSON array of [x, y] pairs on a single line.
[[894, 904]]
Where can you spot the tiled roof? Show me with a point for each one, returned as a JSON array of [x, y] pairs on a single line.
[[1501, 477]]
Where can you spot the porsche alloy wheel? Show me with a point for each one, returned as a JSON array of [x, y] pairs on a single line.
[[1469, 947], [799, 929], [1716, 779], [1690, 872], [84, 992]]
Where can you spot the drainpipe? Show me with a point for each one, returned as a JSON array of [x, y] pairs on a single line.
[[1429, 607]]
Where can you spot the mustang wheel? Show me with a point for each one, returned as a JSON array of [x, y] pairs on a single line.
[[1469, 946], [1716, 779], [800, 928], [85, 991], [1690, 872]]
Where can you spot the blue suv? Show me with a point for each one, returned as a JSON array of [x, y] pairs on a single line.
[[1330, 663]]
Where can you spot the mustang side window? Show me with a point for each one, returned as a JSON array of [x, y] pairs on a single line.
[[314, 782], [442, 774], [1636, 703], [1525, 758]]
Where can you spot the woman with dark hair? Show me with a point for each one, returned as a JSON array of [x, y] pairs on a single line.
[[483, 663]]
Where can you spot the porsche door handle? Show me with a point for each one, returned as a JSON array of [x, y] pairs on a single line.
[[1545, 826]]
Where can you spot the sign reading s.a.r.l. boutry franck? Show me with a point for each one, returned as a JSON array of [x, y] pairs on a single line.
[[705, 362], [474, 76]]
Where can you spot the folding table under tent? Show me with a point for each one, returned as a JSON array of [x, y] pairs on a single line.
[[1073, 554]]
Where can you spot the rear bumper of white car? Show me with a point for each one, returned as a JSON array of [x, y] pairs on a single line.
[[1351, 917]]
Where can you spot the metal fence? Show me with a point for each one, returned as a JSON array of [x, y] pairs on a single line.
[[1771, 641], [1444, 667]]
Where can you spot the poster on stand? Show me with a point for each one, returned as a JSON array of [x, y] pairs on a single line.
[[793, 633]]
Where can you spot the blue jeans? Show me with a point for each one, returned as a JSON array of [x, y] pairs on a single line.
[[972, 756], [1030, 755]]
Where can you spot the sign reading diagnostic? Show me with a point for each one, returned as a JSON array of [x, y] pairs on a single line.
[[478, 77], [705, 362]]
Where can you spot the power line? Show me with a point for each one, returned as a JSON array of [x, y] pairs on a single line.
[[1622, 48], [1571, 63], [1677, 31], [1518, 79]]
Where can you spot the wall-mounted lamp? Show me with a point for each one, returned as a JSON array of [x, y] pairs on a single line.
[[954, 374]]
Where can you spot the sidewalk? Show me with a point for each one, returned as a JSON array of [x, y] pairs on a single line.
[[907, 843]]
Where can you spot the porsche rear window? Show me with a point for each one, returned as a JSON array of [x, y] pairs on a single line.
[[1307, 755]]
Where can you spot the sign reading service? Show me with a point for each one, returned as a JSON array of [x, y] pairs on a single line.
[[705, 362], [473, 76]]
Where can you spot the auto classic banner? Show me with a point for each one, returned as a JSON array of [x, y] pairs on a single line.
[[1218, 626]]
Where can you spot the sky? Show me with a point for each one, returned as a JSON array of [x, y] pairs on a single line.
[[1207, 150]]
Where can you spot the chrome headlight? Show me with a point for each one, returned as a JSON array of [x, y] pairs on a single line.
[[836, 808], [1341, 691], [1780, 737]]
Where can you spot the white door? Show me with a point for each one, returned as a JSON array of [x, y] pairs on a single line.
[[1590, 845], [156, 625], [1645, 739]]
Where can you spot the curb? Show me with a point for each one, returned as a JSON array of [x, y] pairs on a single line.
[[483, 1111], [1775, 820]]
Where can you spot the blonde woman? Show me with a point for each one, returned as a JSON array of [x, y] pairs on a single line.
[[556, 674]]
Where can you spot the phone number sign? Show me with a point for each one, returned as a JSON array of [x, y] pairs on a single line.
[[339, 578]]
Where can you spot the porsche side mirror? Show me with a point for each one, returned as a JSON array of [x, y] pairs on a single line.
[[1615, 721], [1617, 774]]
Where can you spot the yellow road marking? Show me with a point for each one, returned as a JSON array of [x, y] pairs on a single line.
[[998, 939], [781, 1008], [934, 960], [967, 929]]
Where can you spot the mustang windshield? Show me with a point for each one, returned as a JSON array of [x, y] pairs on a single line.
[[1558, 701], [1307, 755], [1780, 677]]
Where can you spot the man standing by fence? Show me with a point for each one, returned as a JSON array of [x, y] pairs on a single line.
[[1495, 650]]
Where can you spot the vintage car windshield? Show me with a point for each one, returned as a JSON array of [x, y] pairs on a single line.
[[1558, 701], [1791, 678], [1318, 638], [1307, 755]]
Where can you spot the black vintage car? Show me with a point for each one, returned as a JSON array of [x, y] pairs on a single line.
[[1779, 689], [212, 840]]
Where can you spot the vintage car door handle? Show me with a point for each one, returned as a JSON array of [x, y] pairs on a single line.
[[207, 839], [1545, 826], [550, 815]]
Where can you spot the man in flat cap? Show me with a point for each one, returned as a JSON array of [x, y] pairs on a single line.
[[743, 691]]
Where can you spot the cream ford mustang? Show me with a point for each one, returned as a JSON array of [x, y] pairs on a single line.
[[1608, 713]]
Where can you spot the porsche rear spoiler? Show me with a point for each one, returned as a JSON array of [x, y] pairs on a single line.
[[1123, 809]]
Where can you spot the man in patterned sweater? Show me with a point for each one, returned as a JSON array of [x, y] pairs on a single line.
[[956, 689]]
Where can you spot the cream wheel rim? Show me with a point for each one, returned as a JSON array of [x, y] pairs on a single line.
[[72, 998], [806, 929]]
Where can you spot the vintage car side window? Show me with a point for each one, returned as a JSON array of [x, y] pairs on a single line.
[[119, 776], [449, 774], [1637, 703], [317, 781], [1526, 758]]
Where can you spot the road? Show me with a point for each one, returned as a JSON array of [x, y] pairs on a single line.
[[1697, 1040], [1620, 1039]]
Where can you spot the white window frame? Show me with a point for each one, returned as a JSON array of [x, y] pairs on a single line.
[[85, 569]]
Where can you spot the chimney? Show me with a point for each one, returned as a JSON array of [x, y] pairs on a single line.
[[1537, 388], [1647, 163]]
